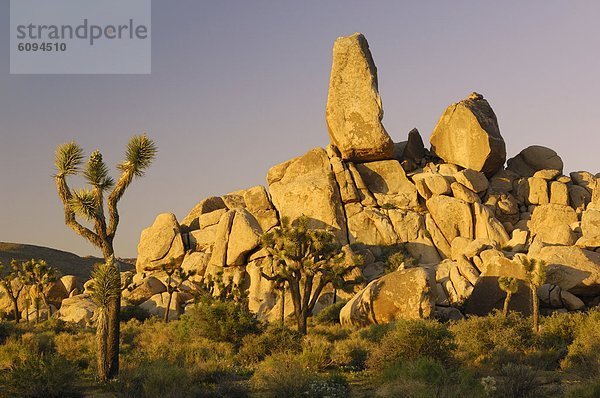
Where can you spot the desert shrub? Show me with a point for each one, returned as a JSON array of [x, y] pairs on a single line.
[[275, 339], [411, 339], [330, 314], [374, 333], [558, 330], [426, 377], [282, 375], [316, 352], [174, 342], [13, 350], [7, 329], [351, 353], [78, 348], [217, 320], [332, 332], [583, 355], [517, 381], [153, 379], [492, 340], [130, 312], [589, 389], [39, 342], [49, 376]]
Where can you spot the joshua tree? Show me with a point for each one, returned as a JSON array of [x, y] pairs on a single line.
[[509, 285], [89, 204], [175, 278], [13, 282], [105, 288], [40, 275], [303, 257], [536, 276]]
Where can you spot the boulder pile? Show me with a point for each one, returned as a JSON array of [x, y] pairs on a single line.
[[463, 215]]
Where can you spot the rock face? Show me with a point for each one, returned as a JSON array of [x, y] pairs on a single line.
[[388, 183], [307, 186], [467, 134], [574, 269], [160, 243], [354, 110], [408, 293]]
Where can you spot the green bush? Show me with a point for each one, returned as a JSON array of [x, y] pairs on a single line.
[[78, 348], [330, 314], [316, 352], [153, 379], [583, 354], [217, 320], [492, 341], [426, 377], [282, 375], [412, 339], [351, 353], [374, 333], [48, 376], [7, 329], [517, 380], [275, 339], [590, 389], [130, 312]]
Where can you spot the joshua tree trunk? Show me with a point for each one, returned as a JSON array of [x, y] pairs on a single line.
[[282, 308], [114, 333], [37, 314], [167, 310], [15, 303], [506, 303], [535, 306], [101, 345]]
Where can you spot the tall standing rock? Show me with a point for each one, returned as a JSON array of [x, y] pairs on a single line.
[[467, 134], [354, 110]]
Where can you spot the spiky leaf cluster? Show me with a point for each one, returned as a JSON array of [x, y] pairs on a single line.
[[96, 172], [508, 284], [141, 151], [83, 202], [106, 284], [535, 270], [68, 159]]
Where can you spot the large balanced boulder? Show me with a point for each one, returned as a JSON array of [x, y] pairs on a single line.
[[354, 110], [467, 134], [403, 294], [533, 159], [306, 186], [160, 244]]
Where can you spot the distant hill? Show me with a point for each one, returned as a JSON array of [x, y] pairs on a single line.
[[67, 263]]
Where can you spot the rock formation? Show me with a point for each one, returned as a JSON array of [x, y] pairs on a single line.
[[461, 217]]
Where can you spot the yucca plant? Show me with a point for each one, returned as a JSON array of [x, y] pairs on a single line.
[[106, 286], [91, 205], [40, 275], [510, 286], [12, 280], [175, 279], [536, 276], [303, 257]]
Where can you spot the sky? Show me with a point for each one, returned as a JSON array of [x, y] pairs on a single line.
[[239, 86]]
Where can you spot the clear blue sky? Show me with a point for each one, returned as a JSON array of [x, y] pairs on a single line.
[[239, 86]]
